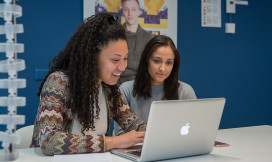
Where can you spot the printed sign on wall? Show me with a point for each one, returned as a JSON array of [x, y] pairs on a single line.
[[211, 13]]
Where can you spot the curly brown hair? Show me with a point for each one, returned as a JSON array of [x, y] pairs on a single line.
[[78, 61]]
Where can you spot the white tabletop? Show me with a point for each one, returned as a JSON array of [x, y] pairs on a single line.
[[249, 144]]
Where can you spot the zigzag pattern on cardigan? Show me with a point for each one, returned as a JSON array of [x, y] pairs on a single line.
[[54, 121]]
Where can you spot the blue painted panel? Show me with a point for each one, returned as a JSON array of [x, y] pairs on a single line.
[[236, 67], [40, 74]]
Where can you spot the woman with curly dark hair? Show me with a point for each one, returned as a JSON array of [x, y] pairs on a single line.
[[79, 97], [156, 78]]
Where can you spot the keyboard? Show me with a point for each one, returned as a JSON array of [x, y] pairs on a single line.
[[136, 152]]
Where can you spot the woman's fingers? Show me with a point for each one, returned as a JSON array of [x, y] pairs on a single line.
[[125, 140]]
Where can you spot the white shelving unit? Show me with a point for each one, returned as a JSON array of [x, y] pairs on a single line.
[[10, 11]]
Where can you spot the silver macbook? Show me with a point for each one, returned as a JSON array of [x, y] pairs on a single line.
[[178, 128]]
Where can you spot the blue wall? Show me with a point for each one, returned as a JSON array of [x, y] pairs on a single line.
[[216, 64], [236, 67]]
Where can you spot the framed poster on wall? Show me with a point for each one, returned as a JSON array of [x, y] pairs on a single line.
[[157, 16]]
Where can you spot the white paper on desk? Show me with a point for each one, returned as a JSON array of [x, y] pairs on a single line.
[[96, 157]]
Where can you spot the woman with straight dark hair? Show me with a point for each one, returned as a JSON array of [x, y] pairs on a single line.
[[156, 78]]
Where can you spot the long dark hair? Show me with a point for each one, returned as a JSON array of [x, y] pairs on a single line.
[[142, 84], [79, 61]]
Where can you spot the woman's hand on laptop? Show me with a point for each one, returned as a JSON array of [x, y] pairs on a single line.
[[125, 140]]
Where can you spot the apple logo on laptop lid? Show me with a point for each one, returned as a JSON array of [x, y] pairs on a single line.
[[185, 129]]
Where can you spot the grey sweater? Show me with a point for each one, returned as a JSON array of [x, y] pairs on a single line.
[[141, 106]]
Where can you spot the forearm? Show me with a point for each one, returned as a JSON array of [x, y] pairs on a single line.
[[125, 140], [128, 121], [65, 143], [110, 143]]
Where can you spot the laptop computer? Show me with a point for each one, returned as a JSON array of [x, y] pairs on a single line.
[[178, 128]]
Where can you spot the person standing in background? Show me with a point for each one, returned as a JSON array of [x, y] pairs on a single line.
[[137, 38]]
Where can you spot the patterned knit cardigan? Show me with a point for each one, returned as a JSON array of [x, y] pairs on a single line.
[[54, 121]]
